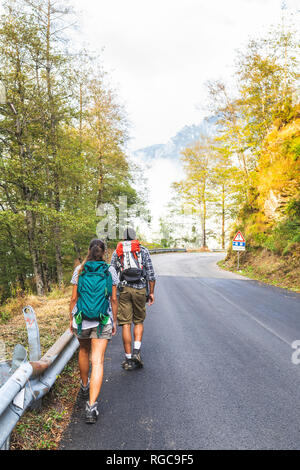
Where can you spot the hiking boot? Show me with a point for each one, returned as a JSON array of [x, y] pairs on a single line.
[[84, 390], [127, 364], [91, 413], [136, 358]]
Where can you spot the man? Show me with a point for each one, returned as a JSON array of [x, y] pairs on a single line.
[[137, 281]]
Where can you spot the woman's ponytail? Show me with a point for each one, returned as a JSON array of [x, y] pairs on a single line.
[[96, 252]]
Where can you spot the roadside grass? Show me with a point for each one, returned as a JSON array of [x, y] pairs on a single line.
[[52, 317], [42, 429], [266, 267]]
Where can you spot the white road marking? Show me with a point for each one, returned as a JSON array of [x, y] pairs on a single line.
[[245, 312]]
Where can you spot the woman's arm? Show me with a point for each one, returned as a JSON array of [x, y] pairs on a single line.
[[74, 298], [114, 307]]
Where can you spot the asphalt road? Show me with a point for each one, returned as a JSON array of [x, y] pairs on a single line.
[[218, 371]]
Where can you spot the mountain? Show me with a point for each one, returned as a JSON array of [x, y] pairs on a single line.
[[186, 136]]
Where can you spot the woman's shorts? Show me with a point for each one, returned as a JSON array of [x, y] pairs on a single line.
[[91, 333]]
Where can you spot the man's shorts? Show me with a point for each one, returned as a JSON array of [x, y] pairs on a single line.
[[91, 333], [132, 306]]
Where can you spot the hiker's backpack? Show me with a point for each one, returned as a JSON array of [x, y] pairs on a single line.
[[130, 263], [94, 289]]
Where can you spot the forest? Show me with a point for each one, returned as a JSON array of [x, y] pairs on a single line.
[[63, 134], [62, 138], [247, 175]]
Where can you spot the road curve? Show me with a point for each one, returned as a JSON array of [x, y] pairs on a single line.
[[218, 371]]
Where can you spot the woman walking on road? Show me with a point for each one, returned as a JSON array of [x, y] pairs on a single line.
[[93, 319]]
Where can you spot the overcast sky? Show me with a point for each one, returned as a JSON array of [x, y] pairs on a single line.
[[160, 53]]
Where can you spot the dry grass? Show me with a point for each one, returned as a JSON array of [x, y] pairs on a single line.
[[263, 265], [52, 312], [52, 317], [43, 429]]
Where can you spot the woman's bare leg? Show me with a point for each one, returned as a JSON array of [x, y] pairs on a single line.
[[83, 359], [98, 352]]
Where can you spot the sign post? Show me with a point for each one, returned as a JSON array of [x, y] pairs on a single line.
[[2, 94], [238, 244]]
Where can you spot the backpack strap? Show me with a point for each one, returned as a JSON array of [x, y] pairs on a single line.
[[108, 290], [104, 317], [78, 320]]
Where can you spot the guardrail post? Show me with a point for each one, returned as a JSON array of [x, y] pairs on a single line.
[[33, 342], [33, 334], [42, 375], [6, 444]]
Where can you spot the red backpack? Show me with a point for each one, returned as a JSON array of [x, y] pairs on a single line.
[[130, 261]]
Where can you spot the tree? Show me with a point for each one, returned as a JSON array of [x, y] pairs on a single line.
[[195, 188], [225, 181], [61, 152]]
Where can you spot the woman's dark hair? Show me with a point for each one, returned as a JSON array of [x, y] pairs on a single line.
[[95, 253]]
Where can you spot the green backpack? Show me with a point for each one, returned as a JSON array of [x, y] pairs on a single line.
[[94, 289]]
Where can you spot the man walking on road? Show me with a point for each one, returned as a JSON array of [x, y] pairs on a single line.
[[137, 281]]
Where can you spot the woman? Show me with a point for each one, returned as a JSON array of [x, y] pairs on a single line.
[[93, 333]]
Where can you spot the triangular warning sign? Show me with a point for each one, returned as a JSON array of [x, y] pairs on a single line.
[[239, 237]]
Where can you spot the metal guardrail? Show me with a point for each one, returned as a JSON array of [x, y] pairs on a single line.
[[184, 250], [32, 380], [167, 250]]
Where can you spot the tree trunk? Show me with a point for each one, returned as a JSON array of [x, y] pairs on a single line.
[[204, 215], [17, 260], [29, 216], [223, 217], [53, 145], [101, 177], [30, 222], [204, 224], [77, 251], [57, 233]]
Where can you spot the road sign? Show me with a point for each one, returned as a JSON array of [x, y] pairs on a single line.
[[238, 246], [239, 242], [239, 237]]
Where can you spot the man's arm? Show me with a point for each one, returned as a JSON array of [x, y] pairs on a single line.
[[151, 293], [114, 261], [150, 276]]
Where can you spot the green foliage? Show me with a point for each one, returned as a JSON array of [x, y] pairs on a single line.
[[295, 148], [293, 208], [4, 315], [62, 137], [253, 163], [259, 128]]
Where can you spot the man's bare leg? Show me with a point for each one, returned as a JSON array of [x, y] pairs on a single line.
[[138, 331], [127, 339]]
